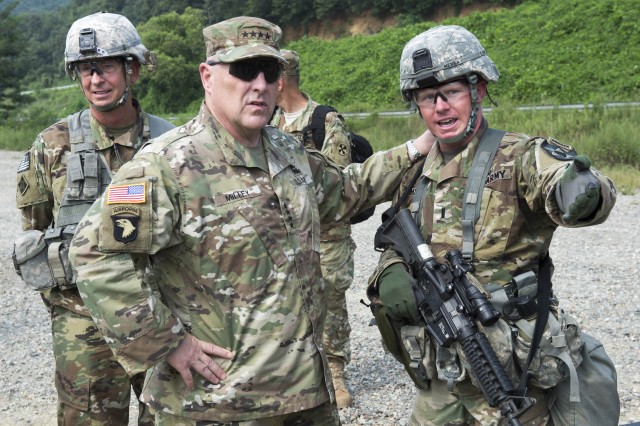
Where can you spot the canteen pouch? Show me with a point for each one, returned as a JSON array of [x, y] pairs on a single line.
[[409, 344], [30, 260], [558, 354]]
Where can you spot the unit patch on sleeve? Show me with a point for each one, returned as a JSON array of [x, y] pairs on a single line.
[[558, 150], [125, 228]]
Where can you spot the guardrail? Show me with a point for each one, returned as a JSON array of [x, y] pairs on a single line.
[[520, 108]]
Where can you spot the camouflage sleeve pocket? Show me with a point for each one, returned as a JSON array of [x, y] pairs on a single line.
[[126, 217]]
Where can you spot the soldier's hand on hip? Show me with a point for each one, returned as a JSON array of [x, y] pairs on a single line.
[[578, 191], [193, 354]]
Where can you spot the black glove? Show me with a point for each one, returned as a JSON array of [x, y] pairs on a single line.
[[395, 287], [578, 191]]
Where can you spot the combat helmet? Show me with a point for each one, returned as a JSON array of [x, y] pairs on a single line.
[[106, 35], [441, 54]]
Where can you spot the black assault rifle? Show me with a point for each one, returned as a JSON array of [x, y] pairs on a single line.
[[449, 304]]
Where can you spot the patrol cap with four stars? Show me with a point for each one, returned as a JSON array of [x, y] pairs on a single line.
[[243, 37], [293, 62]]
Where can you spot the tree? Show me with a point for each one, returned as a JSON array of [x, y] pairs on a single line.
[[10, 48], [178, 42]]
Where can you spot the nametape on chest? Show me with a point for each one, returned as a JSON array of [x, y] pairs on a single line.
[[236, 195], [498, 175], [299, 178], [558, 150]]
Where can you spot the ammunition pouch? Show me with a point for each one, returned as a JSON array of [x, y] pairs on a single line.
[[42, 259], [30, 260], [408, 344]]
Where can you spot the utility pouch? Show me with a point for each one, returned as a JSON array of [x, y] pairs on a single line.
[[558, 354], [408, 344], [30, 260], [57, 240]]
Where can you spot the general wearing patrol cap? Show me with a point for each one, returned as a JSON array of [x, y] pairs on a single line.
[[243, 37], [293, 62]]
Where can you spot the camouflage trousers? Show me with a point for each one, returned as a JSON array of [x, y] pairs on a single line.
[[467, 406], [336, 262], [93, 388], [322, 415]]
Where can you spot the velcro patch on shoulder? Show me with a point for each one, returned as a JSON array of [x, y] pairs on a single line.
[[25, 162], [558, 150], [127, 194]]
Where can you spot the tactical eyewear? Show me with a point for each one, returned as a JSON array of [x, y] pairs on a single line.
[[449, 92], [248, 69], [106, 66]]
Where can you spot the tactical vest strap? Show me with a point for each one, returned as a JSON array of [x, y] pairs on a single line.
[[53, 257], [482, 161], [80, 135]]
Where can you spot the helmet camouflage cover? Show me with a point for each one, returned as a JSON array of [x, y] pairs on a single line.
[[104, 35], [441, 54]]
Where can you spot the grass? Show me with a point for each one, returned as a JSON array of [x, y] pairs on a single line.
[[604, 134]]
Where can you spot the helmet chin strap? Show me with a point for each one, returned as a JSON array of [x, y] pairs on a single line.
[[473, 117], [125, 94]]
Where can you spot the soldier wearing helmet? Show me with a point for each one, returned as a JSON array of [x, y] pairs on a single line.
[[66, 169], [102, 44], [503, 225]]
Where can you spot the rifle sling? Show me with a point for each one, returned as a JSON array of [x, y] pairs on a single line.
[[544, 304]]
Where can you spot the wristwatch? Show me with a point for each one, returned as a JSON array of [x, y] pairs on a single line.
[[414, 154]]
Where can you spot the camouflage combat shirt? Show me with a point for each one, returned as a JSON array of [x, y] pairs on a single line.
[[519, 212], [234, 236], [336, 146], [42, 179]]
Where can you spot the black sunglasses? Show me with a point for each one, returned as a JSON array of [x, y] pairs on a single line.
[[249, 69]]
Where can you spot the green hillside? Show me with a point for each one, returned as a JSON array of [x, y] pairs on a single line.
[[547, 51]]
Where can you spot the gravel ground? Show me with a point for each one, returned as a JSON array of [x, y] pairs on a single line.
[[597, 271]]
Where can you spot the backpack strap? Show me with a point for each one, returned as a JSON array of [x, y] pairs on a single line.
[[315, 128], [158, 126], [482, 161]]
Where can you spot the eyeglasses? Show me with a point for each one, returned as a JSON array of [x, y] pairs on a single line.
[[106, 66], [249, 69], [449, 92]]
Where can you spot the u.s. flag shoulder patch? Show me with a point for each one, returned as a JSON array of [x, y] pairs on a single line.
[[127, 194]]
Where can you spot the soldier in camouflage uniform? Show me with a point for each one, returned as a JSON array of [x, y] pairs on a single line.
[[533, 186], [228, 210], [292, 115], [63, 172]]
